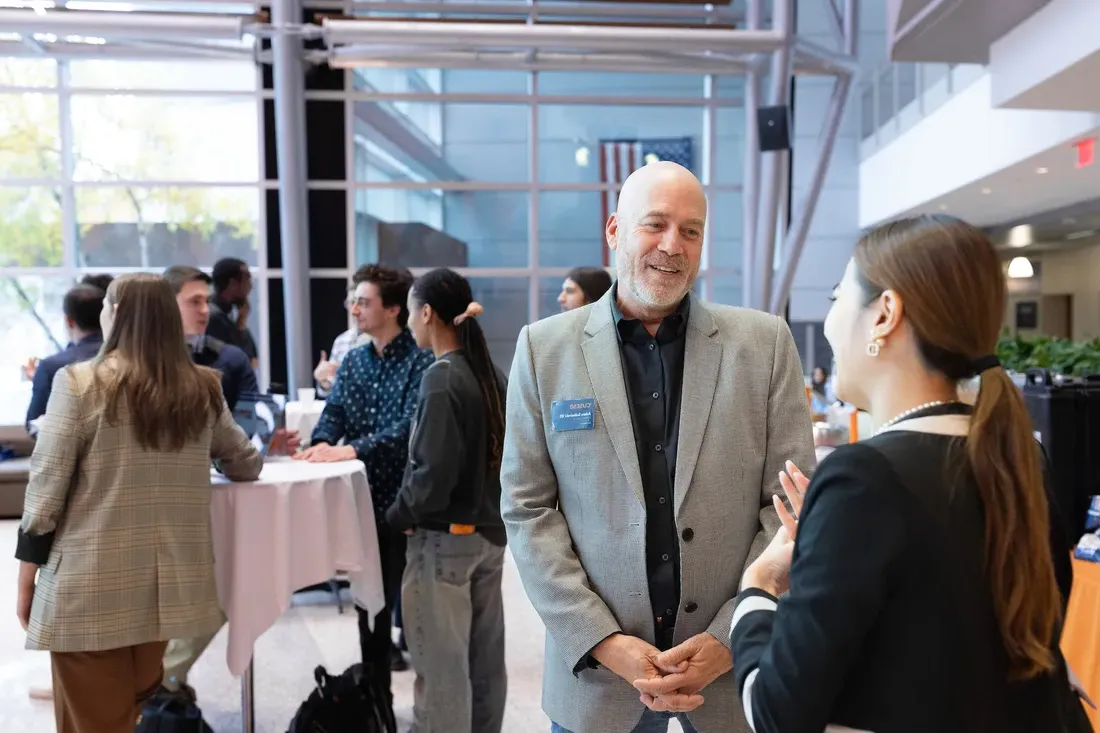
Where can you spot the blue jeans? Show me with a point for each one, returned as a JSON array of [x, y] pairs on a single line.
[[651, 722]]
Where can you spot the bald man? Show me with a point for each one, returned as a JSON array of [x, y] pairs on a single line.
[[645, 436]]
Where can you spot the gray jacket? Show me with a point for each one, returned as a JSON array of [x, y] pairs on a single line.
[[573, 505]]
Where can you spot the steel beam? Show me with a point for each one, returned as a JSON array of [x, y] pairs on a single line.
[[810, 54], [290, 138], [355, 57], [632, 11], [836, 22], [774, 164], [558, 36], [750, 194], [110, 25], [795, 241]]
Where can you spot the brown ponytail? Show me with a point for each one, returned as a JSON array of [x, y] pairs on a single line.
[[1005, 462], [951, 282]]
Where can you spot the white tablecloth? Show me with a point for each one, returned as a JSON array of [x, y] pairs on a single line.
[[293, 527], [303, 417]]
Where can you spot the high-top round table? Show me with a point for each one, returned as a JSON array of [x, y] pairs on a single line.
[[295, 526]]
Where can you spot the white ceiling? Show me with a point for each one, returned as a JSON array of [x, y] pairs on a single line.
[[1043, 182]]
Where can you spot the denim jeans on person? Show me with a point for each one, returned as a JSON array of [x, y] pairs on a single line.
[[651, 722], [454, 624]]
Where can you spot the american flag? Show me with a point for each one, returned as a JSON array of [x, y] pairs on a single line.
[[620, 158]]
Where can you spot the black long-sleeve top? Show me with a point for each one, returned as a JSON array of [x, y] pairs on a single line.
[[448, 479], [889, 624]]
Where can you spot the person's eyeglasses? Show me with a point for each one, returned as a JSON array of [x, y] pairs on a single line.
[[350, 302]]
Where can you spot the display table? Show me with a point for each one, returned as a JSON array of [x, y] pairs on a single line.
[[1081, 633], [303, 417], [295, 526]]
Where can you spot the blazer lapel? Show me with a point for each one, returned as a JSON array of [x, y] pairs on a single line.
[[605, 371], [702, 361]]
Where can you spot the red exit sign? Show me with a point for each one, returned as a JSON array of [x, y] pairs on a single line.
[[1086, 152]]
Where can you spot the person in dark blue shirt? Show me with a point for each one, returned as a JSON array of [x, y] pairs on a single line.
[[371, 409], [192, 288], [82, 306]]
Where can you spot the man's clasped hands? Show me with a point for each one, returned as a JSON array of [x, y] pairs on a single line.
[[673, 680]]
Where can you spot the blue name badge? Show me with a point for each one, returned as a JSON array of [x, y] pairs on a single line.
[[576, 414]]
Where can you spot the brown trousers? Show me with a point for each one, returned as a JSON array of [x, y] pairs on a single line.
[[102, 692]]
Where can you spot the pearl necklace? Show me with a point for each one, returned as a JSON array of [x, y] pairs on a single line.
[[912, 411]]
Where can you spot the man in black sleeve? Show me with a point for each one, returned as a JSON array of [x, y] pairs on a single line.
[[370, 408]]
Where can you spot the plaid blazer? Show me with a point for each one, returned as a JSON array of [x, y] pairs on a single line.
[[132, 560]]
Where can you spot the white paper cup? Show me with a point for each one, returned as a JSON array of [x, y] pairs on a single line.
[[307, 394]]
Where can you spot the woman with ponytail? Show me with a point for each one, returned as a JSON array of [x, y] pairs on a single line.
[[923, 573], [449, 505]]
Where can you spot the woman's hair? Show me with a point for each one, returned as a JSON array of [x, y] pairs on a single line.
[[593, 282], [145, 358], [952, 288], [449, 296], [819, 388]]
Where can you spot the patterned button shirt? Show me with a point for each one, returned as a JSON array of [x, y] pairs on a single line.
[[371, 407]]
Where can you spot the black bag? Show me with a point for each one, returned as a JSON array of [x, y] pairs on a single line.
[[350, 703], [171, 712]]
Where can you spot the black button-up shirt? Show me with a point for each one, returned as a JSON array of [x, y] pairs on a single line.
[[653, 367], [371, 407]]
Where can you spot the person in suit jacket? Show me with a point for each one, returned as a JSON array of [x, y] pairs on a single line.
[[925, 576], [645, 436], [192, 288], [116, 521], [81, 306]]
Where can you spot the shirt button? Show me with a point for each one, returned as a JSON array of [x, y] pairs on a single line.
[[656, 395], [652, 347], [688, 534], [658, 448], [372, 409], [668, 612], [660, 500], [664, 558], [691, 607]]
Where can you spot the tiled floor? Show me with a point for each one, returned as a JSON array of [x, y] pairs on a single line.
[[311, 633]]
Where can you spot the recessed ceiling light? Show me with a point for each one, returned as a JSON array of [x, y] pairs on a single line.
[[987, 191], [1041, 171], [943, 207]]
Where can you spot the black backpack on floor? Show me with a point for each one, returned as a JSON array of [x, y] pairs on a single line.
[[350, 703], [171, 712]]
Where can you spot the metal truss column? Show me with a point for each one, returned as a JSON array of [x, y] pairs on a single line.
[[774, 164], [795, 241], [290, 137], [750, 184]]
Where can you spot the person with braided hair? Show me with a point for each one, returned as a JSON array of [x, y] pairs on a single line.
[[449, 506]]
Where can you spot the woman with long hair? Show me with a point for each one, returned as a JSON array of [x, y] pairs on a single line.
[[923, 571], [116, 521], [449, 505]]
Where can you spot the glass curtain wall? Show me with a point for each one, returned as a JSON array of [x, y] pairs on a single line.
[[114, 166], [508, 176]]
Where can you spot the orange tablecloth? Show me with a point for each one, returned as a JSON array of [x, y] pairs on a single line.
[[1081, 634]]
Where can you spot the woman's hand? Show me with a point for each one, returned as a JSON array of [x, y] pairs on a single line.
[[771, 571], [25, 594]]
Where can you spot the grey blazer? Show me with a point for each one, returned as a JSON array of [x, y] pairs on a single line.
[[573, 505]]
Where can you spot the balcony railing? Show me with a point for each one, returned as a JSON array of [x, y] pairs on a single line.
[[898, 96]]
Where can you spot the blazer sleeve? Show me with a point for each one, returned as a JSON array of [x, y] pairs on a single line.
[[792, 658], [538, 534], [62, 440], [790, 438], [234, 455]]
